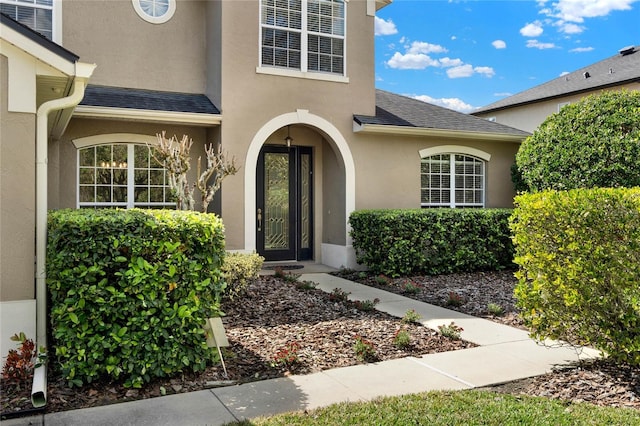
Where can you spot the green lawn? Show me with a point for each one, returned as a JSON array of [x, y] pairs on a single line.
[[457, 408]]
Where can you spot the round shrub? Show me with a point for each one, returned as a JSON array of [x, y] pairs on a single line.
[[594, 142], [579, 258]]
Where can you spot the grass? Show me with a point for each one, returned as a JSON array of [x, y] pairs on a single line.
[[471, 407]]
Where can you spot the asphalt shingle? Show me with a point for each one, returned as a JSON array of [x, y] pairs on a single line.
[[613, 71], [121, 97], [397, 110]]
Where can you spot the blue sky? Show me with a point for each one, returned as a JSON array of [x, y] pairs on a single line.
[[467, 54]]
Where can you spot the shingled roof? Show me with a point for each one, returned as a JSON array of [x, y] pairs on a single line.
[[153, 100], [616, 70], [397, 110]]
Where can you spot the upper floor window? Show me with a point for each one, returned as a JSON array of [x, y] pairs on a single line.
[[303, 35], [452, 180], [35, 14], [121, 175], [155, 11]]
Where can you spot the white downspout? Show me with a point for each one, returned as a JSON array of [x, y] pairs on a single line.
[[83, 72]]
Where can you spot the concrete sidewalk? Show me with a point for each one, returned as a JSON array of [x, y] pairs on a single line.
[[504, 354]]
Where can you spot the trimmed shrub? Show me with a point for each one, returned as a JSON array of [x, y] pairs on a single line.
[[238, 270], [130, 291], [432, 241], [594, 142], [579, 276]]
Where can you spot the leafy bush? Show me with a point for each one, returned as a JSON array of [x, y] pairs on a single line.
[[130, 291], [594, 142], [238, 270], [432, 241], [579, 258]]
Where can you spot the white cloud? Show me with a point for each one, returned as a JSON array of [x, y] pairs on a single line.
[[451, 103], [502, 94], [448, 62], [563, 73], [578, 10], [460, 71], [411, 61], [581, 49], [539, 45], [453, 37], [569, 28], [383, 27], [533, 29], [486, 71], [499, 44], [424, 47]]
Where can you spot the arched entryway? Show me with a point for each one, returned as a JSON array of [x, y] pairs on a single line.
[[334, 145]]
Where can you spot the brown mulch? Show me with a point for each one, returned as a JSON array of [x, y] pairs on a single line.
[[272, 315], [275, 313]]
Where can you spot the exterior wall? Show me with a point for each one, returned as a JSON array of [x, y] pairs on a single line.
[[389, 170], [250, 99], [65, 170], [529, 117], [131, 52], [17, 205]]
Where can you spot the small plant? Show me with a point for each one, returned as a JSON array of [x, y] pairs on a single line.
[[362, 275], [339, 295], [455, 299], [451, 331], [366, 305], [382, 279], [411, 317], [291, 277], [402, 339], [287, 356], [19, 365], [306, 285], [495, 309], [364, 349], [278, 272], [410, 287]]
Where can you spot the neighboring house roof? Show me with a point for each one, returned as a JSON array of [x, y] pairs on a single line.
[[398, 112], [614, 71], [153, 100], [38, 38]]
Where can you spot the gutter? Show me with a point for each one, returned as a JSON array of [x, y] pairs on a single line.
[[82, 74]]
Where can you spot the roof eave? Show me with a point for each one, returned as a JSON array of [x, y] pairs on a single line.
[[561, 95], [192, 118], [439, 133]]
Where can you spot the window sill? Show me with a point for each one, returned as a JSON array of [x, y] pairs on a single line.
[[299, 74]]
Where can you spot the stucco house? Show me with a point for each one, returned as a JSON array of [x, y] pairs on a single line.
[[528, 109], [286, 86]]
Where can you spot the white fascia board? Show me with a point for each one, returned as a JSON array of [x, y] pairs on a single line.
[[438, 133], [37, 51], [87, 111]]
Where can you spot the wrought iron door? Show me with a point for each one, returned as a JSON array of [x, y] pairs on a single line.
[[284, 210]]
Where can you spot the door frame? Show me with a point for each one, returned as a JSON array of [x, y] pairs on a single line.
[[296, 251]]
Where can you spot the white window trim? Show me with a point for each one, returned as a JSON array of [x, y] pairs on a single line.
[[129, 139], [56, 16], [155, 19], [303, 72], [563, 104], [461, 150]]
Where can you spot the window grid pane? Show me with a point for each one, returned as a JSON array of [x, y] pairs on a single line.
[[104, 178], [438, 172], [36, 15]]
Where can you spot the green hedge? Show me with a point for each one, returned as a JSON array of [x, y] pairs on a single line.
[[238, 270], [579, 258], [432, 241], [130, 291]]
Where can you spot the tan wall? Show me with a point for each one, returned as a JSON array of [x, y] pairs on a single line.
[[250, 100], [529, 117], [388, 170], [17, 198], [131, 52], [66, 153]]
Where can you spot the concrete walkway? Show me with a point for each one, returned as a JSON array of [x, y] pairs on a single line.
[[504, 354]]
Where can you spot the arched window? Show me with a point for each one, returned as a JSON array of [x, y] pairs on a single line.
[[121, 175], [452, 180]]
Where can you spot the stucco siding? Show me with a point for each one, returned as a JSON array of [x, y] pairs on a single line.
[[131, 52], [17, 195]]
